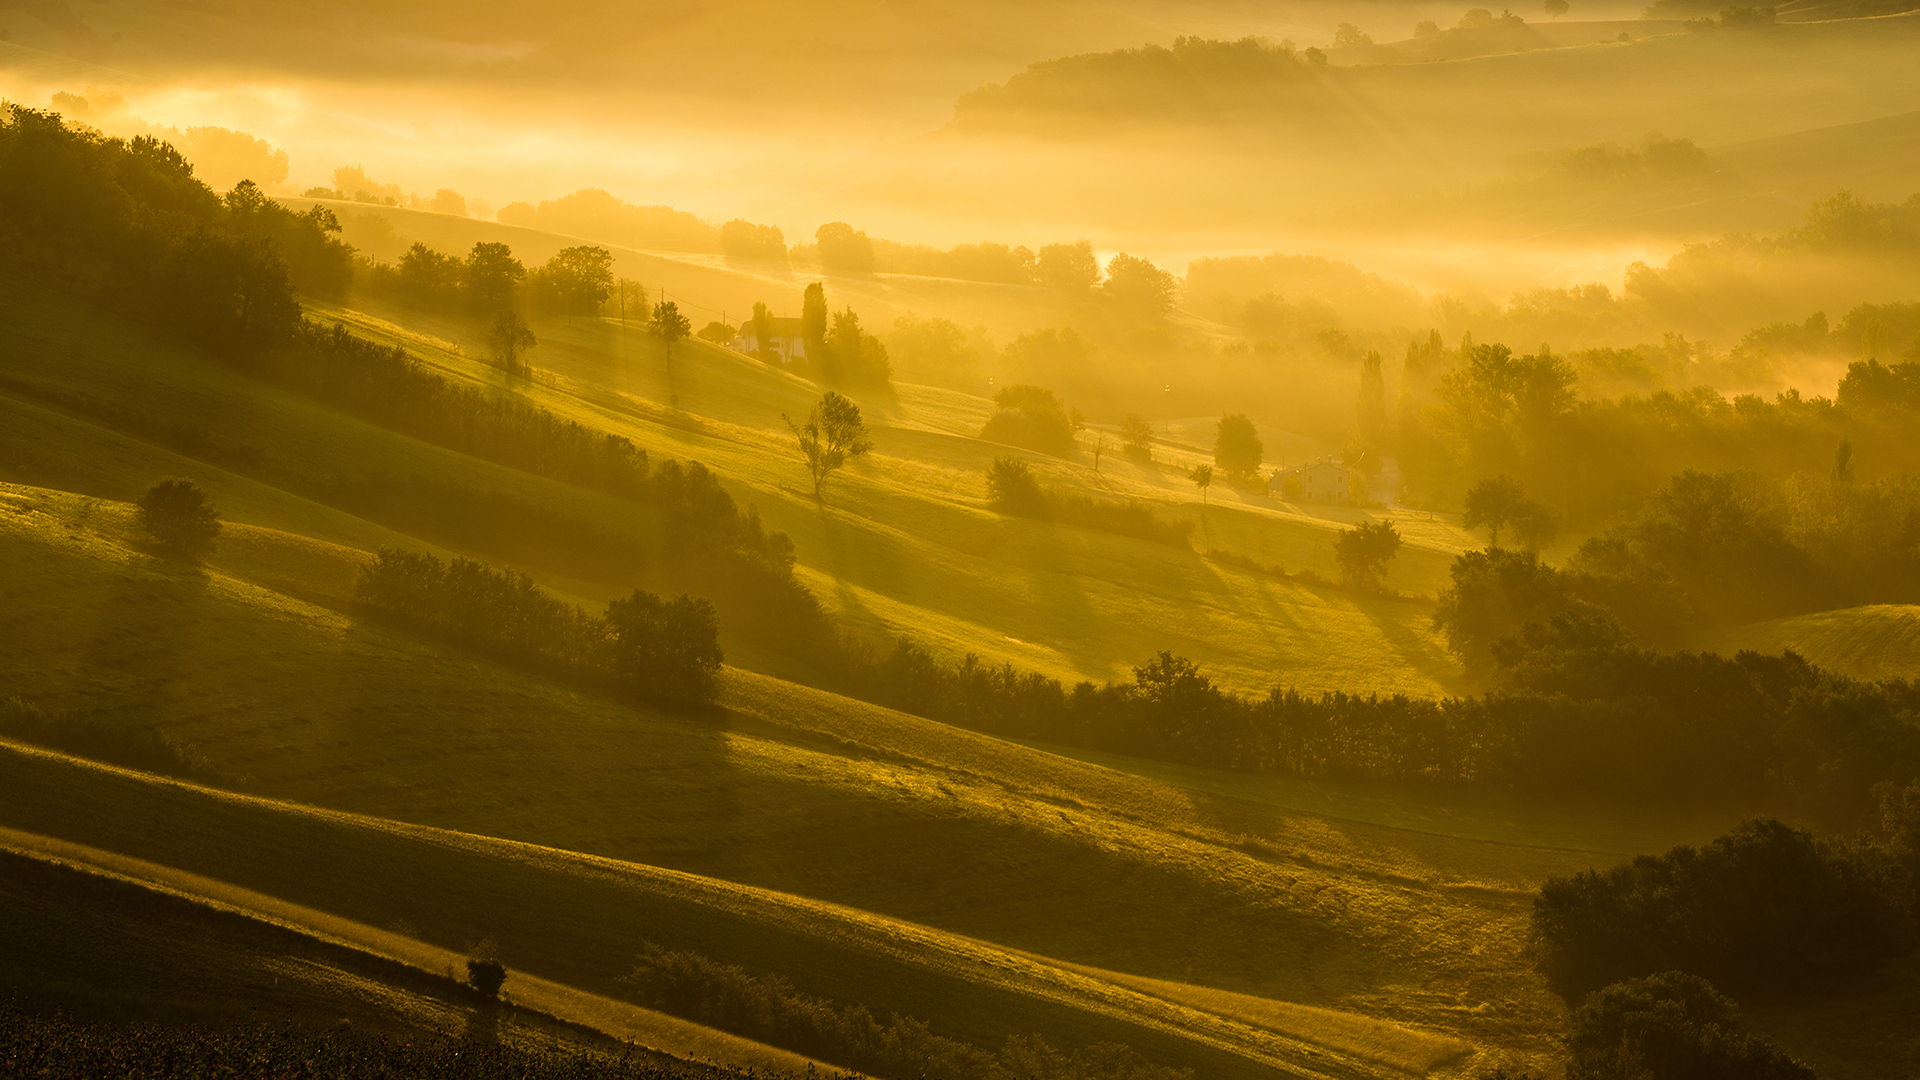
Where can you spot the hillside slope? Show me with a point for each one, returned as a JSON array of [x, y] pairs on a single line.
[[905, 543], [104, 936], [789, 790], [593, 914]]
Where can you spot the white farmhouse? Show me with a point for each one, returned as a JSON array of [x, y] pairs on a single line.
[[1325, 480], [784, 340]]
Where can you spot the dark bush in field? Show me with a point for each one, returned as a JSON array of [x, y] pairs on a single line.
[[1669, 1026], [1012, 489], [1765, 906], [486, 976], [179, 518]]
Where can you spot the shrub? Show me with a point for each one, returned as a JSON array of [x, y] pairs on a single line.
[[179, 518], [486, 976], [1011, 489]]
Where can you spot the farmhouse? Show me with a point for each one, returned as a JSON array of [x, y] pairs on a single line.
[[1325, 480], [784, 339]]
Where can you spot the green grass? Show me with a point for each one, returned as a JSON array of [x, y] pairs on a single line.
[[1878, 641], [106, 936], [580, 919], [905, 543], [791, 790]]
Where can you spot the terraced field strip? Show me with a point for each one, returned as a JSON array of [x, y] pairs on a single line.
[[631, 1023], [1394, 1045]]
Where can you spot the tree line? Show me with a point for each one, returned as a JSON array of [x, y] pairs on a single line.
[[1640, 949], [113, 220], [1575, 709], [125, 224], [660, 651]]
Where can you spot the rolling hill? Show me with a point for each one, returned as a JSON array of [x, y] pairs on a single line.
[[904, 543]]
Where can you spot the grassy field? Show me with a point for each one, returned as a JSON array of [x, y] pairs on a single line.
[[1878, 641], [904, 544], [579, 918], [987, 887], [790, 790], [106, 936]]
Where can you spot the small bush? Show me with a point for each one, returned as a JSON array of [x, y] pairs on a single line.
[[1011, 489], [179, 518], [486, 976]]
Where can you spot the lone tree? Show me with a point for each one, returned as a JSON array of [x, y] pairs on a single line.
[[486, 976], [179, 518], [1236, 445], [668, 324], [1364, 551], [1012, 488], [509, 336], [1500, 501], [1202, 477], [833, 435], [1138, 435]]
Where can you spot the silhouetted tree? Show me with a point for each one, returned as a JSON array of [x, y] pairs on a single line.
[[813, 323], [1556, 8], [742, 239], [852, 357], [1493, 594], [1070, 268], [1670, 1026], [1012, 489], [1843, 461], [1364, 550], [430, 278], [841, 247], [1765, 906], [668, 324], [1138, 435], [179, 518], [1372, 407], [665, 650], [492, 275], [508, 336], [578, 279], [1139, 286], [1347, 36], [486, 976], [833, 435], [1236, 446], [1497, 502], [1202, 477]]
